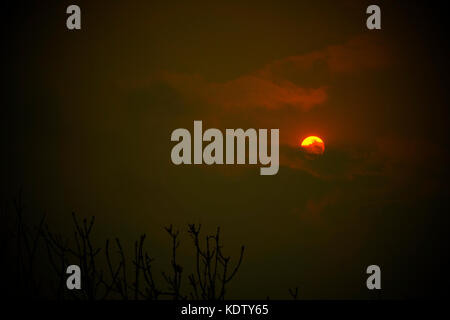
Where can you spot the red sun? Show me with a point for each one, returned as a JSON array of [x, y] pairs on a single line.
[[313, 145]]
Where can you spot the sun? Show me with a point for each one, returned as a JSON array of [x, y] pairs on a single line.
[[313, 145]]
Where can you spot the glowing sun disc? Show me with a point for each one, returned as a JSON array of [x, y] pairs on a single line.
[[313, 145]]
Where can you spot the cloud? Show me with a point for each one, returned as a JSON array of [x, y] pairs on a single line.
[[248, 91], [298, 82], [360, 53], [287, 94], [281, 93]]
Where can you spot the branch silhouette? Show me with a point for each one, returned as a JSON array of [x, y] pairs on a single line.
[[107, 272]]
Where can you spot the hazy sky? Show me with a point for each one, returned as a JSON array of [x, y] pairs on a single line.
[[90, 113]]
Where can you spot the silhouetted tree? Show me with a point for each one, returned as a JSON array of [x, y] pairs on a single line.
[[111, 275]]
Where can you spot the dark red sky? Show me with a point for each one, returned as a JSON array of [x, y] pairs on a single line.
[[89, 117]]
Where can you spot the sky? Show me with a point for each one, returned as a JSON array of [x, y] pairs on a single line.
[[89, 113]]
